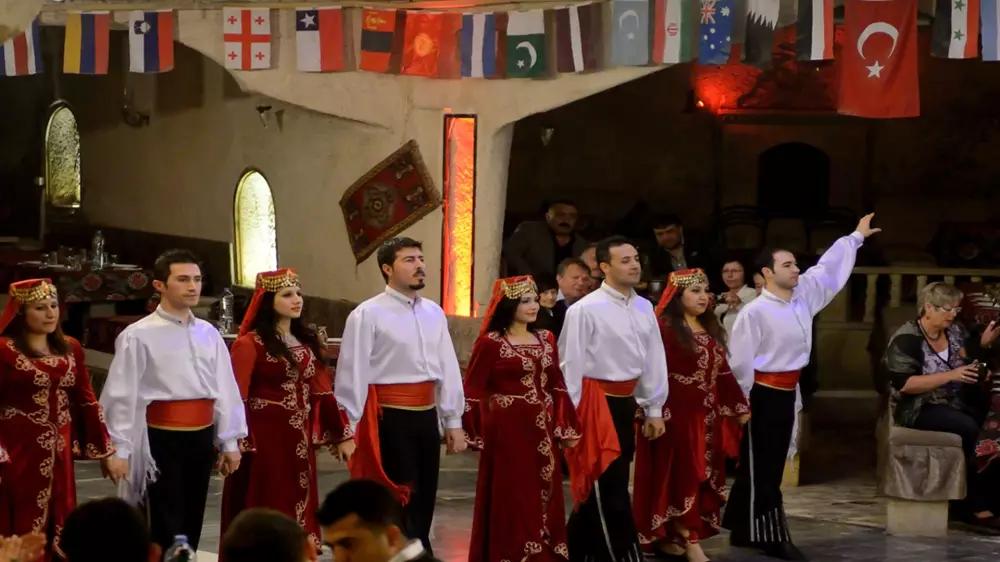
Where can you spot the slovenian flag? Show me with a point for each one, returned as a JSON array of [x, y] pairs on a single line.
[[86, 47], [21, 55], [151, 41], [479, 45]]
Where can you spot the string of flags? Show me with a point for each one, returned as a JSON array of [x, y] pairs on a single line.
[[878, 52]]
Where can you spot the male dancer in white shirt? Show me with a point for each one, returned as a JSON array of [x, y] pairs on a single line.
[[172, 404], [396, 374], [769, 345], [612, 358]]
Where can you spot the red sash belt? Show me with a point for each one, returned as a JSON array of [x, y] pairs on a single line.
[[599, 445], [367, 459], [410, 396], [181, 415], [618, 389], [781, 381]]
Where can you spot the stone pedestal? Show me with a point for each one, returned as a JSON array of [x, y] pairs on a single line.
[[917, 518]]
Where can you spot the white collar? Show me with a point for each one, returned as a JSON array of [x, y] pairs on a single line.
[[174, 319], [401, 297], [771, 296], [413, 550], [616, 294]]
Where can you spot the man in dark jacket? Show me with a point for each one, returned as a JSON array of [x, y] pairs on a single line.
[[537, 247]]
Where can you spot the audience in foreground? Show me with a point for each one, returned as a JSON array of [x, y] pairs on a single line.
[[363, 522], [266, 535], [108, 529]]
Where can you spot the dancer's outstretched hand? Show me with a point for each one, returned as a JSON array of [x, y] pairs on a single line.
[[865, 226], [344, 450]]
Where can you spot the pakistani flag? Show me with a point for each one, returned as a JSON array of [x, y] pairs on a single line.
[[526, 44]]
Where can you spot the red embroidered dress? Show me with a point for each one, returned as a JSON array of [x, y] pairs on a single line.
[[517, 412], [681, 476], [289, 409], [48, 416]]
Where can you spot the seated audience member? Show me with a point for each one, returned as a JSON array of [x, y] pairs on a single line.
[[672, 251], [363, 522], [537, 247], [265, 535], [548, 292], [933, 365], [758, 283], [589, 257], [108, 529], [736, 295], [573, 281]]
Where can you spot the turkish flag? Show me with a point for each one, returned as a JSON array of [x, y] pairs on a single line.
[[430, 44], [878, 63]]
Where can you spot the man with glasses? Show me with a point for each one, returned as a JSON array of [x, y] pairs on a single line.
[[770, 344]]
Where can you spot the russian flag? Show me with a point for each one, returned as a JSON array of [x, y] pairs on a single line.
[[479, 45], [21, 55], [86, 47], [151, 41]]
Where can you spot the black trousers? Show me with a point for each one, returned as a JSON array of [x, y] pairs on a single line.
[[981, 488], [603, 529], [175, 503], [411, 455], [755, 513]]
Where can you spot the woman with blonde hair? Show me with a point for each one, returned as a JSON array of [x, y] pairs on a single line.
[[935, 375]]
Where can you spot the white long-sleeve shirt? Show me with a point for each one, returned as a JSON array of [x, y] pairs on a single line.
[[614, 337], [393, 339], [162, 357], [775, 336]]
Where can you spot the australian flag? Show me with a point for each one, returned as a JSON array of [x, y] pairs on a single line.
[[715, 32]]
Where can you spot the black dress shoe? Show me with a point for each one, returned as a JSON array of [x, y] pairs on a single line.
[[784, 551], [739, 542]]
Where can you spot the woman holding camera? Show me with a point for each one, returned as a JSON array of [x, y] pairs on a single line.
[[939, 384]]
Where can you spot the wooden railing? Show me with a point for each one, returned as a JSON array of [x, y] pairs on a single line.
[[922, 276]]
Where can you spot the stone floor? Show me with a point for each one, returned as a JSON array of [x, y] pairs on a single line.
[[840, 519]]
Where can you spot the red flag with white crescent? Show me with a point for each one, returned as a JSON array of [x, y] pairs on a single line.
[[878, 65]]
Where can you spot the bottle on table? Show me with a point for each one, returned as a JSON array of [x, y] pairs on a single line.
[[226, 311], [97, 250], [180, 551]]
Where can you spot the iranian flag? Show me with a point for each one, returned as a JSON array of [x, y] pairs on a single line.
[[674, 23]]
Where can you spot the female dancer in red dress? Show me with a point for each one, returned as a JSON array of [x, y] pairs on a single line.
[[680, 480], [517, 413], [288, 393], [48, 416]]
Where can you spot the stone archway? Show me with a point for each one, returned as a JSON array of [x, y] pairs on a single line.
[[793, 179]]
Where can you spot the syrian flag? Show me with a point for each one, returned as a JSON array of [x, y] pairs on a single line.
[[762, 19], [955, 34], [814, 38]]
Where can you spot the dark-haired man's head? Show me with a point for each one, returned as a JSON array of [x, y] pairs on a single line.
[[561, 216], [779, 269], [589, 257], [107, 529], [669, 232], [266, 535], [177, 277], [401, 261], [619, 262], [573, 277], [362, 522]]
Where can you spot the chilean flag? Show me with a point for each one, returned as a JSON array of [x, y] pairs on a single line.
[[319, 39], [21, 55], [151, 41]]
